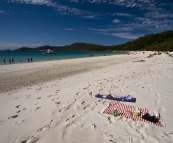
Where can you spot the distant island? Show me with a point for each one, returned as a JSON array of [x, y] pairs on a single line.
[[153, 42], [7, 50]]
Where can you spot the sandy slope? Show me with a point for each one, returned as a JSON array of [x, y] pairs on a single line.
[[64, 109], [21, 75]]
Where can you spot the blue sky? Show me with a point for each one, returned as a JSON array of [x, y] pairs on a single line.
[[34, 23]]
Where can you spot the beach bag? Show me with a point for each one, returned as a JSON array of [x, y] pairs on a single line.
[[150, 118]]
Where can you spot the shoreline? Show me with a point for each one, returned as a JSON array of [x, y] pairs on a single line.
[[39, 72], [38, 56], [65, 109]]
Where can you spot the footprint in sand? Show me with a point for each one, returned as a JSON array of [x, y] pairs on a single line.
[[77, 93], [112, 141], [17, 106], [2, 122], [62, 109], [56, 113], [47, 127], [79, 108], [18, 111], [168, 135], [94, 126], [124, 119], [21, 122], [29, 139], [157, 101], [87, 106], [90, 93], [85, 88], [104, 102], [39, 98], [57, 103], [162, 109], [33, 110], [158, 94], [54, 99], [38, 88], [150, 89], [145, 136], [145, 125], [132, 124], [148, 84], [29, 96], [139, 130], [49, 95], [70, 118], [11, 117], [111, 119], [111, 138], [133, 140], [96, 103]]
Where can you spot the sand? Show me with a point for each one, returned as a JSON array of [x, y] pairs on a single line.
[[55, 101]]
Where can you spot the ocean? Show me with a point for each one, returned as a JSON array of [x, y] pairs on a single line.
[[38, 56]]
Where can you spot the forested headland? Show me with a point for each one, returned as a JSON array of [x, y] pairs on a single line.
[[152, 42]]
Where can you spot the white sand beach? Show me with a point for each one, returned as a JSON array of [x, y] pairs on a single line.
[[54, 101]]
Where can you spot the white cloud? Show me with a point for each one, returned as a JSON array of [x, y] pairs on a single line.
[[98, 30], [74, 0], [127, 32], [157, 18], [72, 29], [123, 14], [153, 24], [1, 11], [62, 9], [158, 14], [116, 21], [153, 6], [141, 4], [92, 16], [95, 1], [126, 35], [36, 2]]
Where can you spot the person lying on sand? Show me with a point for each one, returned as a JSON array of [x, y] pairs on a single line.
[[139, 61]]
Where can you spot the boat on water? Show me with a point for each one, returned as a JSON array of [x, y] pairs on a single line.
[[49, 51]]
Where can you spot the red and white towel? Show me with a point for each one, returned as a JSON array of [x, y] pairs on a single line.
[[127, 111]]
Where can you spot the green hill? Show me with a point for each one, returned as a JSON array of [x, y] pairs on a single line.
[[153, 42]]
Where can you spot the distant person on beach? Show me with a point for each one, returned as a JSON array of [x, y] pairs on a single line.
[[12, 61], [28, 60], [4, 62], [9, 61], [31, 59]]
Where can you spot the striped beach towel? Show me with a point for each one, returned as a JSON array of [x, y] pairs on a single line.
[[127, 111]]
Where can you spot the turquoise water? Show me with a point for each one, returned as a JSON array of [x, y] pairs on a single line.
[[37, 56]]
